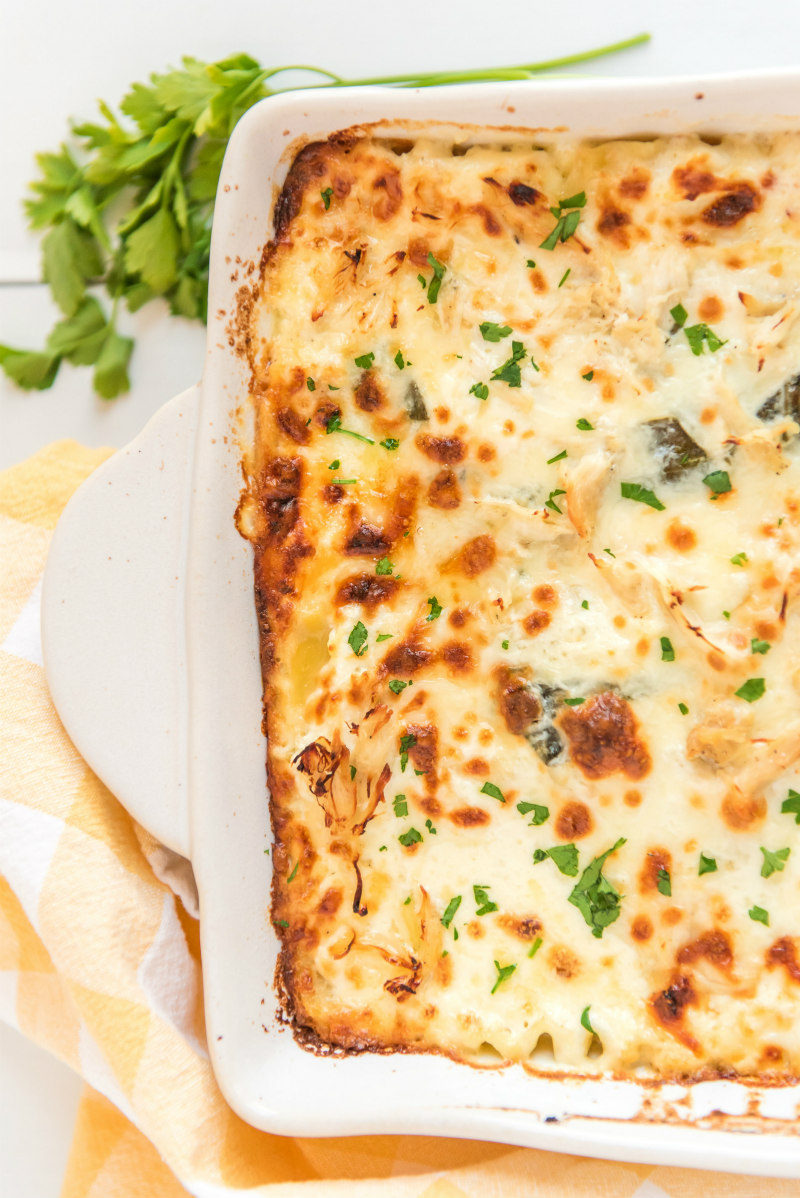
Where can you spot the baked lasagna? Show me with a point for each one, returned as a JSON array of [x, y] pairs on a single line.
[[525, 506]]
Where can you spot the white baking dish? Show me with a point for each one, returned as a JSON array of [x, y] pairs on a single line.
[[151, 649]]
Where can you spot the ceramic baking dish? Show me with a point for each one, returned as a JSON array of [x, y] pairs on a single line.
[[151, 650]]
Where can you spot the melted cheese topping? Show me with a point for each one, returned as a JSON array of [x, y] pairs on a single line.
[[531, 660]]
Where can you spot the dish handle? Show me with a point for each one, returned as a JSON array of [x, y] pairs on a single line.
[[113, 629]]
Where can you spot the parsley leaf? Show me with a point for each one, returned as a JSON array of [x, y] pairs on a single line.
[[399, 360], [384, 566], [575, 702], [738, 559], [757, 646], [679, 315], [774, 862], [383, 636], [595, 897], [494, 332], [510, 372], [334, 425], [664, 882], [708, 865], [390, 443], [479, 390], [312, 386], [559, 457], [483, 904], [565, 276], [583, 424], [683, 709], [400, 805], [551, 500], [699, 336], [396, 686], [718, 482], [364, 362], [751, 690], [294, 871], [503, 972], [791, 806], [436, 609], [585, 1020], [537, 944], [412, 836], [450, 910], [563, 856], [566, 222], [667, 651], [540, 813], [406, 743], [439, 269], [326, 194], [641, 494], [759, 915], [357, 639], [494, 792]]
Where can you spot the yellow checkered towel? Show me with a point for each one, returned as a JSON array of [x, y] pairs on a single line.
[[100, 963]]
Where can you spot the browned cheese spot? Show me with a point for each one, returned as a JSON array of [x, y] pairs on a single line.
[[671, 915], [520, 194], [310, 166], [458, 656], [564, 962], [632, 798], [735, 205], [669, 1008], [477, 765], [448, 450], [366, 540], [459, 617], [518, 706], [418, 251], [545, 595], [406, 658], [469, 817], [367, 589], [430, 805], [604, 738], [389, 195], [476, 929], [573, 821], [369, 396], [680, 537], [476, 556], [424, 755], [714, 946], [293, 424], [536, 622], [491, 224], [635, 185], [655, 859], [766, 630], [486, 453], [525, 927], [278, 489], [742, 811], [444, 491], [330, 902], [641, 928], [783, 953], [332, 493], [711, 308], [693, 180], [613, 224]]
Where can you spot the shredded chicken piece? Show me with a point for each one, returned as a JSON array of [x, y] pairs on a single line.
[[765, 762], [584, 488], [763, 446], [723, 739]]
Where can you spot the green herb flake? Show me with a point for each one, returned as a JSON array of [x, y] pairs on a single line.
[[641, 494], [610, 554], [439, 269], [583, 424], [390, 443], [774, 862], [575, 702], [399, 360], [407, 901], [565, 276], [335, 464], [412, 836], [294, 872], [479, 390], [551, 500], [664, 882], [699, 336], [384, 566], [436, 609], [430, 827], [563, 856], [727, 615], [312, 386], [791, 806], [718, 482], [585, 1022], [450, 910], [364, 361], [510, 372], [494, 332], [585, 604], [406, 743], [683, 709], [383, 636], [751, 690], [357, 639], [595, 897], [503, 973], [738, 559], [757, 646], [343, 482], [531, 265], [667, 651], [327, 194], [281, 923], [534, 948], [353, 772], [334, 425], [559, 457], [679, 315], [540, 813], [708, 865], [566, 221], [504, 644], [483, 904], [396, 685], [759, 915], [400, 805], [423, 282], [588, 376], [494, 792]]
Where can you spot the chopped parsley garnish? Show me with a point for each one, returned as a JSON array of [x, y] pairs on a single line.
[[565, 276], [683, 709], [533, 364], [540, 813], [751, 690], [312, 386], [588, 376], [353, 772], [534, 948], [566, 221], [727, 615], [773, 862], [383, 636], [436, 282], [406, 743], [384, 566], [699, 336], [503, 972], [551, 500], [718, 482], [575, 702], [334, 425], [595, 897], [504, 644], [357, 639], [667, 651], [412, 836], [436, 609], [326, 194], [494, 332], [531, 265], [479, 390], [281, 923], [430, 827], [509, 372], [791, 806], [708, 865], [757, 646], [332, 388], [738, 559], [664, 882], [641, 495], [399, 360], [396, 686], [583, 424], [406, 901], [423, 282], [494, 792], [343, 482], [335, 464], [585, 1020], [563, 856], [400, 805], [390, 443], [559, 457], [585, 604], [364, 362], [450, 910], [294, 871], [610, 554], [759, 915], [483, 903], [679, 315]]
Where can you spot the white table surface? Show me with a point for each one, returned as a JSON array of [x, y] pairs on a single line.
[[56, 59]]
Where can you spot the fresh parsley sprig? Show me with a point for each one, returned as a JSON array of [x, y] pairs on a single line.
[[128, 206]]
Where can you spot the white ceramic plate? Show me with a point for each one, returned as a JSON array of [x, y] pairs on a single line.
[[151, 650]]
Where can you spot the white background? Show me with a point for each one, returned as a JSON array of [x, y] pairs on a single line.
[[58, 56]]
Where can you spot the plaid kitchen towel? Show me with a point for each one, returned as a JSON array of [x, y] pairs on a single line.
[[100, 964]]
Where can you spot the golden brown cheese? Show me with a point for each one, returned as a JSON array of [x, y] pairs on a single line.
[[525, 503]]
